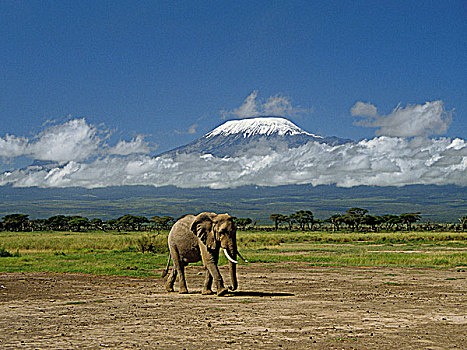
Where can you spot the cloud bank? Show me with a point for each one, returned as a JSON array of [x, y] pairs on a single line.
[[81, 156], [382, 161]]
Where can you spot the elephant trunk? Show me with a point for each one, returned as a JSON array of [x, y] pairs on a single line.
[[233, 275]]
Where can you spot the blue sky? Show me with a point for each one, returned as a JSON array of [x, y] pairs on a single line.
[[158, 66], [158, 74]]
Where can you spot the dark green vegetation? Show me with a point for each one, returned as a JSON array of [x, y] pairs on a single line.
[[436, 203], [354, 220], [127, 222], [358, 219], [119, 253]]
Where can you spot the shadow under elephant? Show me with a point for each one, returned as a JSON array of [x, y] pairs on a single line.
[[246, 293]]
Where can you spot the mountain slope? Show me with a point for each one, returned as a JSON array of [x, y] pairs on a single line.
[[436, 203], [236, 136]]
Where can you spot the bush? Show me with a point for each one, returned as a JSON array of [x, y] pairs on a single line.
[[152, 244], [6, 254]]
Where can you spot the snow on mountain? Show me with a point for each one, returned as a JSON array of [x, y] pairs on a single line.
[[238, 136], [259, 126]]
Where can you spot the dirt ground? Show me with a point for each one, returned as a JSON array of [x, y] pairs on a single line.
[[288, 306]]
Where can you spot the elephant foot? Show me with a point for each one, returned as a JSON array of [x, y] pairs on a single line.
[[207, 292], [222, 292], [183, 290]]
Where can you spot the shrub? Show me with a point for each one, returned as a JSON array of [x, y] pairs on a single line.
[[6, 254], [152, 244]]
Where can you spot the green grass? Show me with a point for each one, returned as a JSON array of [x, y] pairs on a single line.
[[111, 253], [68, 241], [98, 263], [274, 238]]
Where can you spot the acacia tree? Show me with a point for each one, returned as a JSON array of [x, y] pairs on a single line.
[[336, 221], [58, 223], [97, 224], [373, 221], [355, 216], [38, 224], [242, 223], [463, 221], [162, 223], [112, 224], [15, 222], [409, 218], [390, 220], [78, 223], [304, 218], [131, 222], [277, 219]]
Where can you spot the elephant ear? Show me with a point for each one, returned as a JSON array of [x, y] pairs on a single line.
[[203, 228]]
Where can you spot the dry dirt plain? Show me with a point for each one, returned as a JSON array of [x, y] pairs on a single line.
[[279, 306]]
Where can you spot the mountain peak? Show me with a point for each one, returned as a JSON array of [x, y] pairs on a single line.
[[239, 136], [258, 126]]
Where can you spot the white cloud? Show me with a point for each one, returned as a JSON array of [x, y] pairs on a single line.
[[74, 140], [135, 146], [277, 105], [12, 146], [191, 130], [248, 109], [382, 161], [363, 109], [430, 118]]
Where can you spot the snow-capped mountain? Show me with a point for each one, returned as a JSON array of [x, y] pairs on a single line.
[[258, 126], [236, 136]]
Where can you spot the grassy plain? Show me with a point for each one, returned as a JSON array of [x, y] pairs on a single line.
[[117, 253]]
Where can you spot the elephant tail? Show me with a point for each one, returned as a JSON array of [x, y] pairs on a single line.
[[167, 267]]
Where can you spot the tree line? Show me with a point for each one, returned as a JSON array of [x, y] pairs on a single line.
[[354, 219], [128, 222]]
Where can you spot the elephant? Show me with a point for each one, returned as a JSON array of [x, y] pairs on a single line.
[[195, 238]]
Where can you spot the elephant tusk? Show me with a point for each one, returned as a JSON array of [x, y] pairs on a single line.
[[240, 255], [229, 258]]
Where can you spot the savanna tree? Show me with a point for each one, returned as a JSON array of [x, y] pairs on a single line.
[[162, 223], [277, 219], [304, 218], [355, 217], [131, 222], [372, 220], [242, 223], [78, 223], [15, 222], [463, 221], [58, 223], [336, 221], [409, 218]]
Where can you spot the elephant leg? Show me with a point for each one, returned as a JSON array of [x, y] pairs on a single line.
[[181, 279], [210, 261], [169, 284], [179, 267], [207, 284]]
